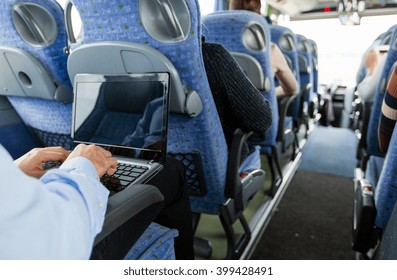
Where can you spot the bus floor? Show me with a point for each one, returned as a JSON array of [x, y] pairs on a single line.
[[313, 219]]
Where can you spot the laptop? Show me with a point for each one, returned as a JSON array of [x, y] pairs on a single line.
[[126, 114]]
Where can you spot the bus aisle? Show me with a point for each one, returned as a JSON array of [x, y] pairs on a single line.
[[313, 220]]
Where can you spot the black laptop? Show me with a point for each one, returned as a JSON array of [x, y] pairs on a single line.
[[126, 114]]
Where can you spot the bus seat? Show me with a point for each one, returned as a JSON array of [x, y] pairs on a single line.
[[314, 53], [386, 188], [315, 100], [156, 243], [374, 205], [382, 183], [365, 108], [33, 68], [372, 131], [248, 33], [285, 39], [387, 248], [300, 107], [171, 30]]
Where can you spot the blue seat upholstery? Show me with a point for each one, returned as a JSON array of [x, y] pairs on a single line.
[[386, 188], [382, 182], [48, 115], [372, 145], [197, 140], [364, 109], [372, 131], [157, 242], [286, 40], [300, 107], [314, 54], [306, 67], [387, 248]]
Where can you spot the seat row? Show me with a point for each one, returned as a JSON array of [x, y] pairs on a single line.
[[37, 75], [375, 193]]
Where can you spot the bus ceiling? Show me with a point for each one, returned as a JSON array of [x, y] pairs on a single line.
[[348, 11]]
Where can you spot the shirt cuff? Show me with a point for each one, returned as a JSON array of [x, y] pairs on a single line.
[[82, 164]]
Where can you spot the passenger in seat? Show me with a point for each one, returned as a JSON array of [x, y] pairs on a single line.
[[280, 68], [46, 218], [54, 214], [375, 64], [389, 116], [239, 103]]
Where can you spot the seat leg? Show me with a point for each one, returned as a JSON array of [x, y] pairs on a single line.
[[235, 244], [273, 165]]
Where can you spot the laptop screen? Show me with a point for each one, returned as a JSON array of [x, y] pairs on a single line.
[[125, 113]]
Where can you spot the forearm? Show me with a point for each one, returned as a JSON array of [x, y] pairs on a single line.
[[56, 217]]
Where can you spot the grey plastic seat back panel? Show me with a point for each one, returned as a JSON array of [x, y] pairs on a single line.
[[123, 57], [251, 68], [22, 75], [124, 205]]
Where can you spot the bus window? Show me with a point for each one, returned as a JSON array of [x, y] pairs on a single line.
[[340, 48]]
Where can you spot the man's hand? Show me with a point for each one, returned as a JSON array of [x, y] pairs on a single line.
[[100, 158], [32, 162]]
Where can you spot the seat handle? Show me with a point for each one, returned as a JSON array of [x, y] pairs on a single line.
[[68, 22], [168, 13], [31, 23]]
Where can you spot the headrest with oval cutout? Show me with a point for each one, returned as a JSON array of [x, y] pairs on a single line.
[[34, 24], [287, 43], [255, 38]]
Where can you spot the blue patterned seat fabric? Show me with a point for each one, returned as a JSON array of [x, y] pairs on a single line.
[[49, 119], [386, 189], [109, 21], [157, 242], [278, 35], [279, 32], [227, 27], [306, 77], [314, 54], [372, 131]]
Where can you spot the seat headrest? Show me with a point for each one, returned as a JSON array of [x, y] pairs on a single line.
[[287, 42], [254, 38]]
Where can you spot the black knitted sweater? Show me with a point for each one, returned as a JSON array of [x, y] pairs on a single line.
[[239, 103]]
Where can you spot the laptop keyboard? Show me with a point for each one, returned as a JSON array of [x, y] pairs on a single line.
[[124, 176]]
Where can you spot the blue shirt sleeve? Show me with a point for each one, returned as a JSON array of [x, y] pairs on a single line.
[[56, 217]]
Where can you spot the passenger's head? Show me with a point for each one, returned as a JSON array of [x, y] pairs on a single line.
[[249, 5]]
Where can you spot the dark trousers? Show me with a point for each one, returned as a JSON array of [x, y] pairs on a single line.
[[173, 212]]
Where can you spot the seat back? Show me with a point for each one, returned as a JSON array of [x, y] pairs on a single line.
[[247, 33], [286, 40], [373, 123], [305, 65], [388, 244], [314, 53], [33, 67], [173, 30], [386, 188]]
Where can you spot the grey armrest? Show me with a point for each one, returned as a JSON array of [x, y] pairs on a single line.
[[123, 206]]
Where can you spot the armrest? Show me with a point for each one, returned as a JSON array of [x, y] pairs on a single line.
[[126, 204], [233, 187], [363, 216]]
